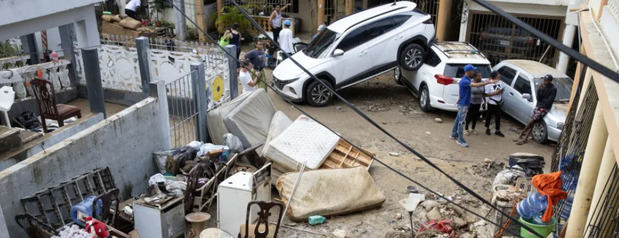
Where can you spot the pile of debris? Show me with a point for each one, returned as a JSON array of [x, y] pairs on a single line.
[[489, 168], [116, 25]]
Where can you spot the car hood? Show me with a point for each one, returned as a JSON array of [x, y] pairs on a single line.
[[558, 112], [288, 70]]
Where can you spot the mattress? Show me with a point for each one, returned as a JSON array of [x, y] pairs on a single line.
[[215, 119], [251, 119], [304, 141], [279, 123]]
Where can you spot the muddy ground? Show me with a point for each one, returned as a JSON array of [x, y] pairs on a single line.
[[394, 108]]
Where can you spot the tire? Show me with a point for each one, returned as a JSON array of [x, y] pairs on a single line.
[[539, 133], [412, 57], [424, 99], [397, 75], [317, 95]]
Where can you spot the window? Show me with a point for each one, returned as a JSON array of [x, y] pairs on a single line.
[[457, 70], [522, 85], [433, 59], [370, 31], [507, 75], [320, 43]]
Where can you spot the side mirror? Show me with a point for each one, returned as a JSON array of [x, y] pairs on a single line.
[[338, 52], [527, 97]]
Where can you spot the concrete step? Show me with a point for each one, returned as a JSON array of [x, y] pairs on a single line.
[[9, 139]]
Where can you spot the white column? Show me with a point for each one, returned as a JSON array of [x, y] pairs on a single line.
[[568, 40], [465, 20], [86, 30], [606, 168]]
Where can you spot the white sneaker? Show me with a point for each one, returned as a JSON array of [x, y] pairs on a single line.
[[463, 144]]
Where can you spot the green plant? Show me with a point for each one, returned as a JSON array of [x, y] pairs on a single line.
[[230, 16], [160, 5], [7, 50]]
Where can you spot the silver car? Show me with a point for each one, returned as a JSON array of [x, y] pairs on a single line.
[[520, 79]]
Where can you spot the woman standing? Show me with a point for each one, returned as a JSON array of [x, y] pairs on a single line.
[[275, 20], [234, 37], [477, 99]]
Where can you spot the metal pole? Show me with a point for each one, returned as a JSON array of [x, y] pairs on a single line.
[[66, 40], [93, 80], [234, 85], [141, 44], [198, 84], [180, 26]]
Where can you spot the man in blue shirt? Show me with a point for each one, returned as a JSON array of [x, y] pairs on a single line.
[[464, 100]]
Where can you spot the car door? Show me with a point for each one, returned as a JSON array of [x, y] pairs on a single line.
[[523, 106], [356, 63], [507, 80], [385, 40]]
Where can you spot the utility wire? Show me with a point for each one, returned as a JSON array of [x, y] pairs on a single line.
[[363, 115]]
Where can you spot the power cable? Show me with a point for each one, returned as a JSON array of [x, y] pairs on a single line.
[[363, 115]]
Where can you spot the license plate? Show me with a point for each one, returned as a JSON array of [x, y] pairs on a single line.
[[504, 42]]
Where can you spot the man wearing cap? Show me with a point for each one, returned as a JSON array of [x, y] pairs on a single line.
[[464, 100], [285, 39], [545, 96]]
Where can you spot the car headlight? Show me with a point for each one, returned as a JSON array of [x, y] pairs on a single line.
[[560, 125]]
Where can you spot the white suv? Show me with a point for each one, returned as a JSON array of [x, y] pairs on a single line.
[[436, 81], [357, 48]]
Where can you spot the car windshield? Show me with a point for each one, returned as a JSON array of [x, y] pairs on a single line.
[[564, 88], [320, 43], [457, 70]]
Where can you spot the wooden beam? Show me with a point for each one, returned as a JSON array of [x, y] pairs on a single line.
[[349, 6], [442, 19], [220, 7], [321, 12], [200, 19]]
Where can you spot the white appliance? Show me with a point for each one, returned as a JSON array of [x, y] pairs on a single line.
[[234, 193], [162, 221], [7, 98]]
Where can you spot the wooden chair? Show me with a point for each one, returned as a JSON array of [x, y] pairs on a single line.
[[46, 98], [109, 207], [262, 229]]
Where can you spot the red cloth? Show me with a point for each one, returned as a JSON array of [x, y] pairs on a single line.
[[442, 226], [549, 185]]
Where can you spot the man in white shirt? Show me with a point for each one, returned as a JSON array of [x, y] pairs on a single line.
[[131, 8], [493, 93], [285, 39], [245, 78]]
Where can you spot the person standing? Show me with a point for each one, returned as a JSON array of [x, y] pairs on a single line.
[[464, 100], [545, 95], [245, 78], [275, 20], [477, 99], [132, 7], [493, 92], [285, 39], [234, 38], [257, 58]]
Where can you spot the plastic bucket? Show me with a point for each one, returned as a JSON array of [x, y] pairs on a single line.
[[542, 229]]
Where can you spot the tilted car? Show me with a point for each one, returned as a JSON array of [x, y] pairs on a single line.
[[356, 48], [520, 79]]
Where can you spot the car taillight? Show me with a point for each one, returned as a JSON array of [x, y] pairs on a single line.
[[442, 79]]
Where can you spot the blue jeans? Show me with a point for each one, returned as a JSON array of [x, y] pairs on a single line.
[[456, 132]]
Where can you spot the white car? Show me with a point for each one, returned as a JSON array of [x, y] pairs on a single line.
[[357, 48], [520, 79], [436, 81]]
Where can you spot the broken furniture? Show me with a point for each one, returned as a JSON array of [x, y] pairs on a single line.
[[49, 210], [46, 99], [234, 193], [109, 202], [262, 229], [329, 192], [345, 155], [165, 220]]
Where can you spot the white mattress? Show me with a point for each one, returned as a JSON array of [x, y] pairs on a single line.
[[251, 119], [279, 123], [304, 141], [215, 119]]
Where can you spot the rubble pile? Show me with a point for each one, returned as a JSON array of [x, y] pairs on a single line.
[[439, 218], [72, 231], [488, 168]]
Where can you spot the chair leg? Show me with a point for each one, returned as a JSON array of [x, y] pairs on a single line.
[[79, 115], [60, 123], [43, 124]]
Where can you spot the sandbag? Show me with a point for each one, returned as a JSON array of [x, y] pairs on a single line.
[[329, 192], [279, 123], [215, 119], [116, 18], [107, 18], [130, 23], [251, 119], [304, 141]]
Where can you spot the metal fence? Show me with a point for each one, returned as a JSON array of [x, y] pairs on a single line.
[[500, 39], [187, 107], [605, 216]]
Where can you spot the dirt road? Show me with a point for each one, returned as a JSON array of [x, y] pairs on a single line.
[[397, 111]]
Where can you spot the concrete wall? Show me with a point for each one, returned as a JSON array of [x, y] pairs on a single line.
[[124, 142]]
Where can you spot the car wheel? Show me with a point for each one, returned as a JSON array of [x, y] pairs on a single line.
[[317, 94], [412, 57], [424, 99], [539, 132], [397, 75]]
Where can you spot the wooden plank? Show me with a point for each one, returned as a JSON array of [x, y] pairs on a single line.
[[347, 156]]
